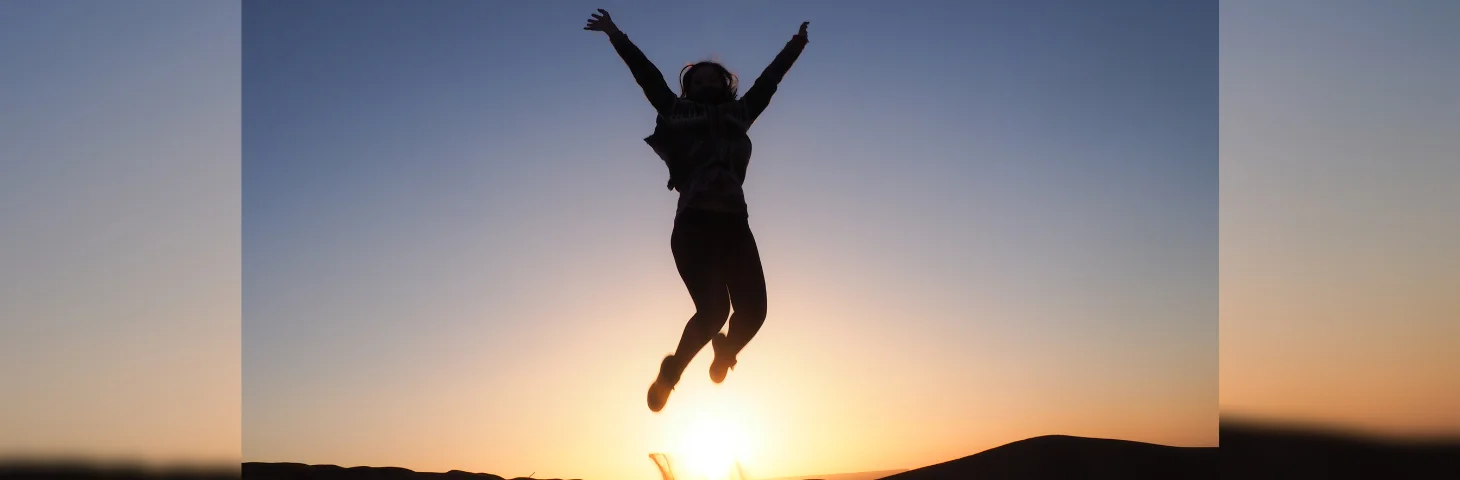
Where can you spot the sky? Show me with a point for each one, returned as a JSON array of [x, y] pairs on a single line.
[[1338, 232], [430, 236], [120, 234], [980, 222]]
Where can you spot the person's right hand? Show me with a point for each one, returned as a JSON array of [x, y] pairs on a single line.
[[601, 23]]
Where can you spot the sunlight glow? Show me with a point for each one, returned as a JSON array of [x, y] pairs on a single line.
[[711, 448]]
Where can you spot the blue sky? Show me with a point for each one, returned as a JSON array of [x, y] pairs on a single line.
[[454, 233]]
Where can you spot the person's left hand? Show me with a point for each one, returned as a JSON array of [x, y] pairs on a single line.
[[802, 32]]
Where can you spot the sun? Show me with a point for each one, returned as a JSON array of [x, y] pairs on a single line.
[[712, 435], [712, 448]]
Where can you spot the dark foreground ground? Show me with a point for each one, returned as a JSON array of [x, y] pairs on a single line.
[[1264, 451], [874, 475], [1062, 457], [1248, 451]]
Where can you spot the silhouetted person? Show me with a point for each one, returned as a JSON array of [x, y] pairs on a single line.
[[701, 136]]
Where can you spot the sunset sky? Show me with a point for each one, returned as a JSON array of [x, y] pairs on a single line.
[[1340, 245], [119, 230], [428, 234], [979, 222]]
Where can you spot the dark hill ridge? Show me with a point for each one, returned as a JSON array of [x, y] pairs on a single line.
[[873, 475], [1255, 451], [1062, 457], [1263, 450], [299, 471]]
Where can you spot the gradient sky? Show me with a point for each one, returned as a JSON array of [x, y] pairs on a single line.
[[120, 240], [119, 230], [1340, 266], [979, 221]]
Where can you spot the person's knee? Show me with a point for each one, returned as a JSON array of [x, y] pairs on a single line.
[[716, 312], [752, 311]]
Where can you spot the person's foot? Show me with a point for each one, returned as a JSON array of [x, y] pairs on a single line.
[[663, 384], [724, 359]]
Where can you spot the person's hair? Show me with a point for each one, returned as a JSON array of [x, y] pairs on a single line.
[[731, 87]]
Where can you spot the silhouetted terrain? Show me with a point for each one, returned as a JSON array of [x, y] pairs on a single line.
[[1249, 451], [1063, 457], [35, 469], [293, 471], [1254, 450], [846, 476]]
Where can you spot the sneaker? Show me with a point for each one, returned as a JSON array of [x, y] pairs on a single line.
[[663, 384], [724, 362]]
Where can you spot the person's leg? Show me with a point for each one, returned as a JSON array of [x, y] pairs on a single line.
[[698, 244], [746, 283]]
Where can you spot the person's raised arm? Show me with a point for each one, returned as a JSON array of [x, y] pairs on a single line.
[[759, 96], [645, 73]]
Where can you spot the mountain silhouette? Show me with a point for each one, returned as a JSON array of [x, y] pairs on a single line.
[[299, 471], [873, 475], [1063, 457], [1260, 450], [1249, 451]]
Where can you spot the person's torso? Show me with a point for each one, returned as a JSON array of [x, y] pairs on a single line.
[[708, 152]]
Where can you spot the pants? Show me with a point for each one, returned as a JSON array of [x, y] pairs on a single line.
[[720, 265]]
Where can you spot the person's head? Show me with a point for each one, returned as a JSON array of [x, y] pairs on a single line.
[[708, 82]]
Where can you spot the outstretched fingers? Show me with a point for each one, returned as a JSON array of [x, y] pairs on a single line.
[[599, 21]]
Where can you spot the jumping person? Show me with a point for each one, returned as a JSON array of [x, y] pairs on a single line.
[[701, 136]]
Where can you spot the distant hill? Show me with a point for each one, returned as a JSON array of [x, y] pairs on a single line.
[[1250, 451], [846, 476], [299, 471], [1063, 457], [1260, 450]]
